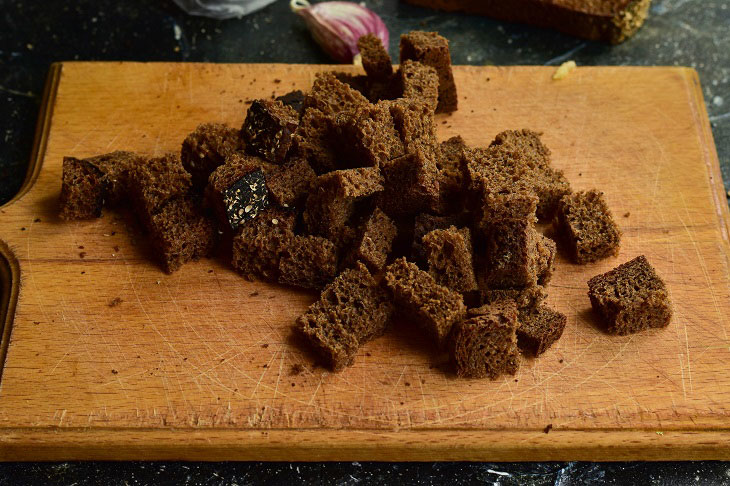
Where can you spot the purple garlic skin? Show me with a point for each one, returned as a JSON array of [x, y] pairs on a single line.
[[337, 26]]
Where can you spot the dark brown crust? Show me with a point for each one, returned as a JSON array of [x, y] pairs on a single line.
[[611, 21]]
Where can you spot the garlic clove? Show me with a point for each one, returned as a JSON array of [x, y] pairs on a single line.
[[337, 26]]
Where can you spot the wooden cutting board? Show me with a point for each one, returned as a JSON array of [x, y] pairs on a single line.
[[109, 358]]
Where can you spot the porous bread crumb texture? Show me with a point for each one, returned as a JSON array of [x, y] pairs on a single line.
[[375, 58], [630, 298], [431, 49], [351, 311], [82, 190], [485, 346], [347, 189], [207, 147], [431, 306], [586, 227]]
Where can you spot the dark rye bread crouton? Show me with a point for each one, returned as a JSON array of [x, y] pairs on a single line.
[[630, 298], [414, 123], [83, 187], [367, 136], [179, 233], [410, 185], [525, 298], [374, 241], [315, 141], [420, 83], [206, 148], [332, 199], [515, 255], [358, 82], [539, 328], [431, 49], [586, 227], [451, 176], [485, 346], [236, 191], [309, 262], [152, 184], [375, 58], [259, 245], [449, 256], [293, 99], [433, 307], [545, 253], [268, 128], [351, 310], [331, 96], [425, 223], [115, 166], [289, 184]]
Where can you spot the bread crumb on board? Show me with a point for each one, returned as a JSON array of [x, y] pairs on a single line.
[[564, 69]]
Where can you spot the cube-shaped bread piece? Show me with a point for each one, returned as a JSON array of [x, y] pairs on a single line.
[[526, 298], [449, 256], [259, 244], [351, 310], [332, 199], [206, 148], [237, 192], [414, 122], [425, 223], [116, 166], [545, 251], [411, 185], [374, 241], [154, 183], [539, 328], [513, 260], [431, 306], [431, 49], [367, 136], [179, 233], [309, 262], [549, 184], [331, 96], [586, 227], [375, 58], [485, 346], [420, 82], [289, 184], [315, 141], [83, 188], [268, 128], [293, 99], [452, 183], [630, 298]]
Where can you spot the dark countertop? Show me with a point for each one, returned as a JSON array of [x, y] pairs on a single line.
[[34, 34]]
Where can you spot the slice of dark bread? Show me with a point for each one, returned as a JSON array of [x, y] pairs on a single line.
[[290, 184], [611, 21], [259, 245], [420, 83], [485, 346], [309, 262], [155, 182], [367, 136], [331, 96], [630, 298], [315, 140], [116, 166], [375, 58], [351, 310], [374, 241], [449, 256]]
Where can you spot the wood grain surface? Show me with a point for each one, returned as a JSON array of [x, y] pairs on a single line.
[[201, 364]]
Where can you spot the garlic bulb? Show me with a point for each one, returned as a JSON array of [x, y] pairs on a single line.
[[336, 26]]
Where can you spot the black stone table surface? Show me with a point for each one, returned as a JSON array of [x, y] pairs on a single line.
[[34, 34]]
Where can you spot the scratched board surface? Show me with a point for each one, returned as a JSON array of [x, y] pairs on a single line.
[[103, 340]]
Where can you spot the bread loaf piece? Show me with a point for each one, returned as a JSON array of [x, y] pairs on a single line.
[[611, 21]]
